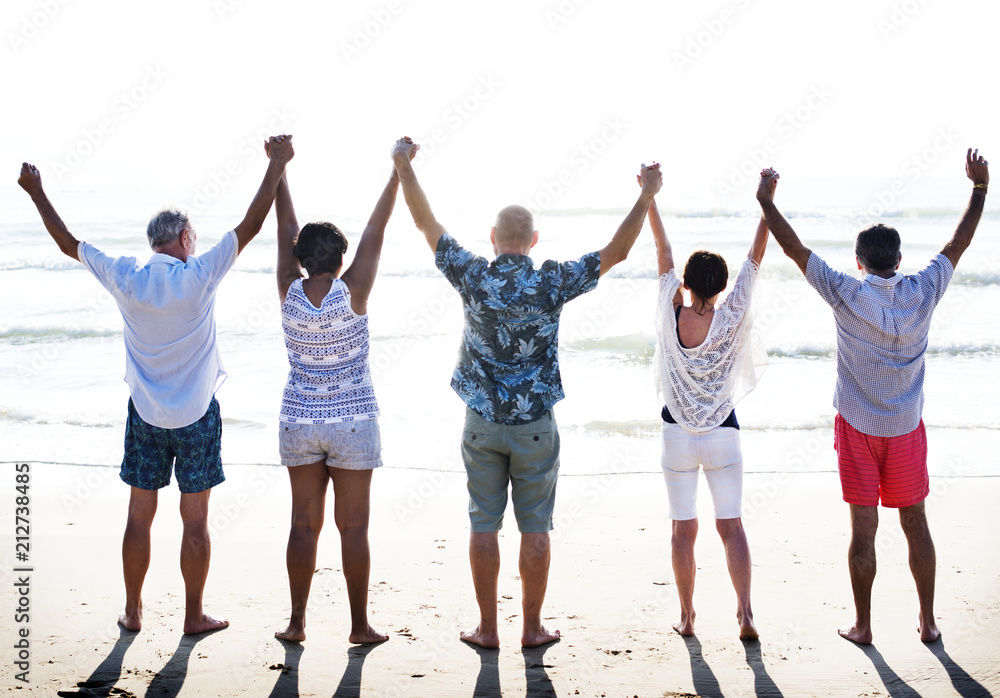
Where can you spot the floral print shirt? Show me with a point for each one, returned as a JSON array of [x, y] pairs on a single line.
[[508, 364]]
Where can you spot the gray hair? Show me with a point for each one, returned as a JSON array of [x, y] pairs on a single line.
[[166, 226]]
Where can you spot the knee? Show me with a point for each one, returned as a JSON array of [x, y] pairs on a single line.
[[913, 520], [354, 528], [729, 528], [684, 532], [307, 525]]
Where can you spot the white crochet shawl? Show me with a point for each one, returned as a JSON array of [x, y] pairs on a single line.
[[700, 385]]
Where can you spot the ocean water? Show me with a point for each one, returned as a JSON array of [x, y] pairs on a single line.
[[62, 398]]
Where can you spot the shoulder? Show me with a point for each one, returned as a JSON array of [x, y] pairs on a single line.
[[450, 253], [588, 264]]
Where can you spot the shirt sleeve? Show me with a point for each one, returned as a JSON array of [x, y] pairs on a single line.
[[742, 291], [669, 284], [831, 285], [98, 264], [453, 260], [216, 263], [579, 276], [936, 276]]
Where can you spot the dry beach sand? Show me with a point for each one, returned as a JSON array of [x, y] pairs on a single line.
[[611, 594]]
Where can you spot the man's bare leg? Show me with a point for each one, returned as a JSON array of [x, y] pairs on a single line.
[[196, 552], [861, 562], [135, 554], [536, 554], [309, 483], [682, 557], [734, 538], [351, 506], [923, 562], [484, 556]]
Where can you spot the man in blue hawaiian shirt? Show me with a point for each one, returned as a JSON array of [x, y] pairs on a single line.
[[508, 377]]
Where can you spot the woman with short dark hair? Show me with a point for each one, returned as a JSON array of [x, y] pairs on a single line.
[[704, 365], [328, 427]]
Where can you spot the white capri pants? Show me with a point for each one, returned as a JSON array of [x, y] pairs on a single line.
[[718, 452]]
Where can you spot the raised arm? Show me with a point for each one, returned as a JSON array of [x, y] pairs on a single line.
[[360, 276], [617, 250], [782, 231], [978, 171], [31, 181], [279, 151], [288, 269], [664, 253], [416, 200], [759, 244]]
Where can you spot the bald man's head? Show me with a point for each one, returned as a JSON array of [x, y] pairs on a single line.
[[515, 227]]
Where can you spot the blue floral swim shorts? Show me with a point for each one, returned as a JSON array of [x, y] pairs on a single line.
[[193, 452]]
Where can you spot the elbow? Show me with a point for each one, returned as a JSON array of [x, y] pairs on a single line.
[[424, 223], [611, 256]]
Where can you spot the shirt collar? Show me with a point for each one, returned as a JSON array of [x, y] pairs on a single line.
[[513, 259], [879, 281], [160, 258]]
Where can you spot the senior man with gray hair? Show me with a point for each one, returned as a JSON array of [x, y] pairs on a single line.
[[173, 368]]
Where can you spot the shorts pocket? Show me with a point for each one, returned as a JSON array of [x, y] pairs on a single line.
[[477, 438]]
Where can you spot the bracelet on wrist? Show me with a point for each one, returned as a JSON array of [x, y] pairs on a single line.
[[980, 186]]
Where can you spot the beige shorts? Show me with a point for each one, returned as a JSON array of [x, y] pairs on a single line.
[[353, 445], [523, 457]]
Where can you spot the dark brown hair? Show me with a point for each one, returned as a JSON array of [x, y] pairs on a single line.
[[320, 248], [706, 274]]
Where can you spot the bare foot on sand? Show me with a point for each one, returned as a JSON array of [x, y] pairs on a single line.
[[537, 638], [928, 632], [685, 626], [131, 621], [204, 624], [295, 632], [369, 636], [860, 636], [490, 641], [748, 631]]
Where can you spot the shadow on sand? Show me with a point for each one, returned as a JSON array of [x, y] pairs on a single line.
[[893, 683], [535, 676], [287, 685], [488, 681], [705, 683], [169, 680], [763, 685], [106, 675], [964, 684], [350, 682]]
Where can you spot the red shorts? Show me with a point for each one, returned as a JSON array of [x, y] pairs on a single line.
[[890, 468]]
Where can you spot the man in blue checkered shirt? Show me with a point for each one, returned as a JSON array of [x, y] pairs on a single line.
[[882, 324]]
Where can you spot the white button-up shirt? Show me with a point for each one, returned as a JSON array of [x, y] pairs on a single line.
[[882, 329], [172, 361]]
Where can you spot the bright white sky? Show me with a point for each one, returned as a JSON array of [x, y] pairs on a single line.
[[837, 91]]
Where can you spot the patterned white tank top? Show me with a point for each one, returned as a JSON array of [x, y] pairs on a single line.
[[328, 376]]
